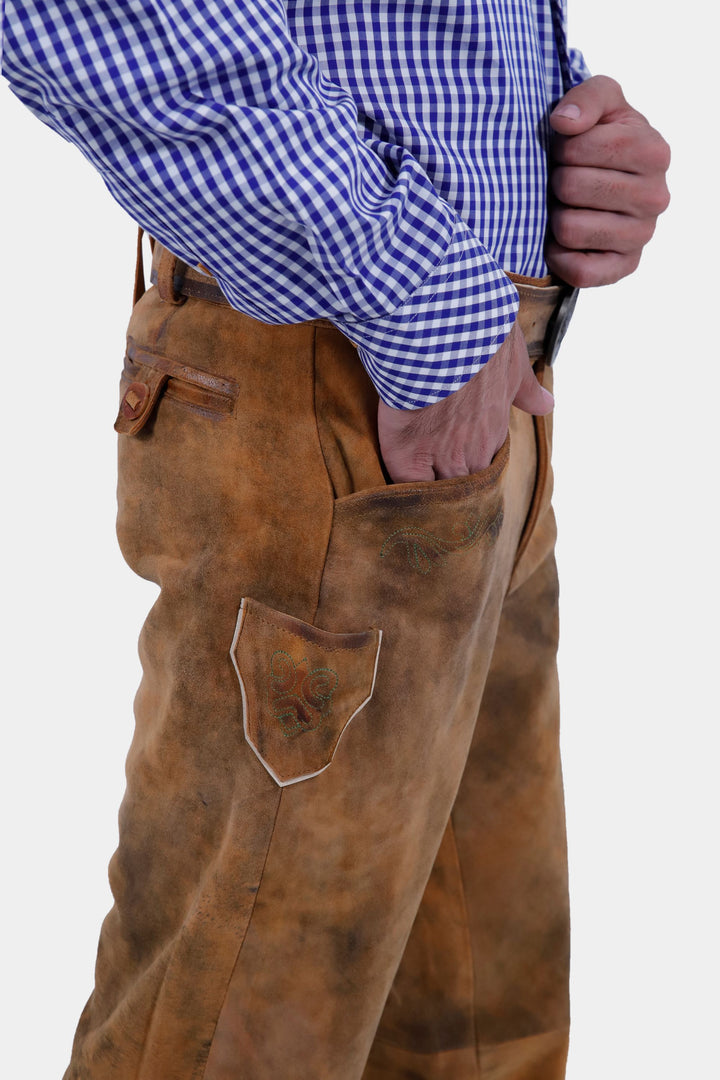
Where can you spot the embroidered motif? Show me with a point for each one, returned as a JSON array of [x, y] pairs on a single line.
[[424, 551], [299, 700]]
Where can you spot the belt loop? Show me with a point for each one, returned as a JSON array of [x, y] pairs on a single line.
[[166, 278], [139, 290]]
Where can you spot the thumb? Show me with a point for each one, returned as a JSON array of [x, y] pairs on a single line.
[[596, 99], [531, 397]]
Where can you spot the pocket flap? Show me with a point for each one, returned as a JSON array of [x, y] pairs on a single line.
[[139, 400], [301, 687]]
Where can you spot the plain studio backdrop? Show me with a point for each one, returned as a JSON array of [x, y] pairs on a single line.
[[636, 495]]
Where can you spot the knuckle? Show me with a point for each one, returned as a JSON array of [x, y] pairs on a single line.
[[661, 152], [653, 152], [586, 276], [623, 267], [607, 85], [611, 84], [647, 230], [457, 458], [664, 199], [587, 273], [420, 460], [655, 200], [566, 231], [564, 184], [482, 454]]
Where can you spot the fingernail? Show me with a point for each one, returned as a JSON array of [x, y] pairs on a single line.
[[572, 112]]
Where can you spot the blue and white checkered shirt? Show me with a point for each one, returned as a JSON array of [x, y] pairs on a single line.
[[379, 163]]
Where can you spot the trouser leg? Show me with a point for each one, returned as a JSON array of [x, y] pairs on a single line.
[[482, 988], [269, 871]]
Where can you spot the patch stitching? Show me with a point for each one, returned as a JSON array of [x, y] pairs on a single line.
[[300, 700], [425, 551], [325, 648]]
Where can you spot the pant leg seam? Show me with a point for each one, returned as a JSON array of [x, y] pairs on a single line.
[[525, 1038], [321, 576], [201, 1075], [468, 940]]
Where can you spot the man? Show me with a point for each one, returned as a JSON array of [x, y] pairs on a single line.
[[341, 847]]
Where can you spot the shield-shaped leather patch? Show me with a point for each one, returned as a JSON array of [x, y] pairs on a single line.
[[301, 687]]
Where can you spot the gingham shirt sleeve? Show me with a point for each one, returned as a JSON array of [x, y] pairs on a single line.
[[578, 69], [225, 140]]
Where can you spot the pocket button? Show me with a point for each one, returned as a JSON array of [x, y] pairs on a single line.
[[135, 400], [138, 401]]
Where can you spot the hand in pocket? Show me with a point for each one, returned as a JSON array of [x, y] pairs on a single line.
[[462, 433]]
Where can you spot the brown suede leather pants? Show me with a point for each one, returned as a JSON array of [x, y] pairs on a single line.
[[342, 845]]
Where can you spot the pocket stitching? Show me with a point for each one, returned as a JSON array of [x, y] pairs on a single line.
[[327, 648], [242, 614]]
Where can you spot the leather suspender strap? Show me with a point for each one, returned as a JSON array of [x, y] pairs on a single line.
[[139, 289]]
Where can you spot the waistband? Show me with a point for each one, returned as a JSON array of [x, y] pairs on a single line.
[[546, 304]]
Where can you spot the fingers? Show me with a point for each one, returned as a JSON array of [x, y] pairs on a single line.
[[607, 185], [587, 269], [470, 448], [609, 189], [531, 397], [407, 468], [462, 433], [585, 105], [455, 465], [411, 457], [631, 146], [598, 230], [406, 459]]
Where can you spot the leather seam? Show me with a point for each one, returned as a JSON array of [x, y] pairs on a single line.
[[285, 630], [383, 1041], [328, 480], [468, 939], [201, 1075]]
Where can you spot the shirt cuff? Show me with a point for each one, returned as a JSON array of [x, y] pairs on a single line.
[[579, 71], [444, 332]]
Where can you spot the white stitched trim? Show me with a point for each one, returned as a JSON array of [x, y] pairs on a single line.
[[295, 780]]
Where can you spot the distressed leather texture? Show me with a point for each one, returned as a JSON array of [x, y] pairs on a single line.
[[339, 858]]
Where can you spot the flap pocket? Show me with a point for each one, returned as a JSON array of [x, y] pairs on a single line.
[[301, 687], [139, 399], [147, 375]]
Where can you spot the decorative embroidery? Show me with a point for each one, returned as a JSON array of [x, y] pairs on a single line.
[[299, 699], [424, 551]]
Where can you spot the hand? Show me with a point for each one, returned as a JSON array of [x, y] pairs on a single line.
[[462, 433], [608, 183]]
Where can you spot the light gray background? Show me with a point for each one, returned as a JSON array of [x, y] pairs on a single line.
[[637, 391]]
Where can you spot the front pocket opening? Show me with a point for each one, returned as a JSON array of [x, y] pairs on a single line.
[[430, 491]]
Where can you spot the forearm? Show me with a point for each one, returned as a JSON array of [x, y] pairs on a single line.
[[224, 140]]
